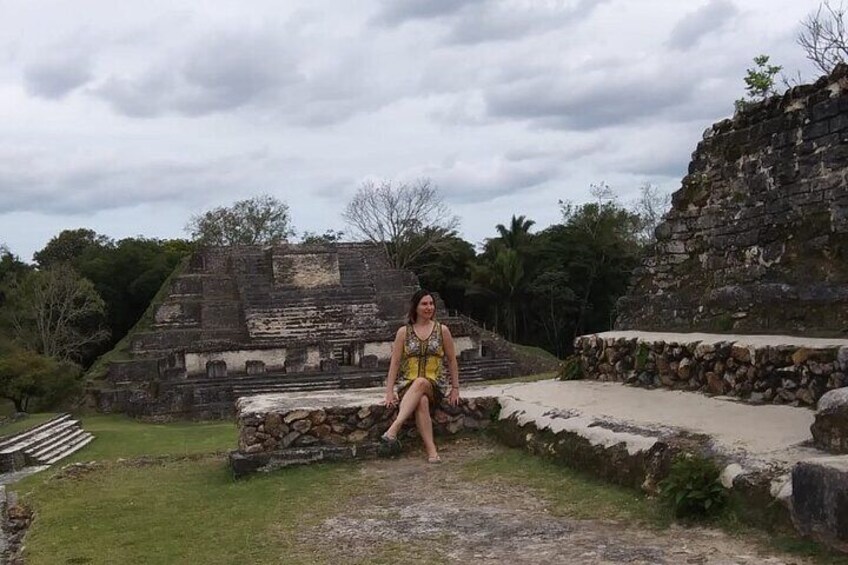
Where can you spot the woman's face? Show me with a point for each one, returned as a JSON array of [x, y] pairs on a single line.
[[426, 308]]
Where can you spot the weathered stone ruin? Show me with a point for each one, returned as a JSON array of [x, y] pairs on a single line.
[[282, 430], [757, 237], [247, 320], [755, 246]]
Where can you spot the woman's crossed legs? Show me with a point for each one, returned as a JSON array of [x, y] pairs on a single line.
[[416, 400]]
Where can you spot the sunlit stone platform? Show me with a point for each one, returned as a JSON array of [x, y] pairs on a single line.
[[627, 435]]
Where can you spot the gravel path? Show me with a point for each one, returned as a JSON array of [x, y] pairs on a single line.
[[421, 513]]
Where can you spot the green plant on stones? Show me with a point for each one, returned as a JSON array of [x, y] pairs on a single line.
[[642, 356], [495, 414], [570, 369], [693, 488]]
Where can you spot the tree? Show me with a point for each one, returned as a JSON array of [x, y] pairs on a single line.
[[599, 243], [405, 219], [126, 274], [69, 246], [259, 220], [650, 206], [517, 235], [25, 375], [55, 312], [823, 36], [328, 237], [759, 81], [11, 268], [444, 268]]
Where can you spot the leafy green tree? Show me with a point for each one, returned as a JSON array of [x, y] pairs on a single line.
[[25, 375], [502, 280], [517, 235], [759, 81], [11, 268], [69, 246], [126, 274], [259, 220], [329, 236], [444, 268]]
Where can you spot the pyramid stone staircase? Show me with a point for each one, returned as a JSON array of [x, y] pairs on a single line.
[[44, 444]]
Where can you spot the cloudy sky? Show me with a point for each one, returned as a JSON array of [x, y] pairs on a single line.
[[129, 117]]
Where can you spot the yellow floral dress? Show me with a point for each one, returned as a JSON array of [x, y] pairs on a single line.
[[423, 358]]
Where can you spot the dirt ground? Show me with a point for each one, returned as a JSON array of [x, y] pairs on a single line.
[[423, 513]]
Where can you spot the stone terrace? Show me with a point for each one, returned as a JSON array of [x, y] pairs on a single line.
[[756, 368], [626, 435]]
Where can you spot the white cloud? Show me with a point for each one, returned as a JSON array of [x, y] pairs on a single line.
[[127, 118]]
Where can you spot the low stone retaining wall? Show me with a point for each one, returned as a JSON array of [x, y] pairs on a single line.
[[773, 492], [760, 369], [281, 430]]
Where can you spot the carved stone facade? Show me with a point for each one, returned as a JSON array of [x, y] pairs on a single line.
[[757, 237], [246, 320]]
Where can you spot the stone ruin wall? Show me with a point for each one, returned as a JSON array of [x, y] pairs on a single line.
[[757, 237], [797, 374]]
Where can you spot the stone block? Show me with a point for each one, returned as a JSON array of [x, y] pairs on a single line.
[[368, 362], [830, 428], [253, 367], [329, 366], [820, 500]]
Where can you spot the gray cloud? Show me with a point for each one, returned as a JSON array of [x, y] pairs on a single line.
[[54, 78], [48, 186], [695, 25], [395, 12], [221, 72], [468, 182], [479, 21], [501, 21], [562, 104]]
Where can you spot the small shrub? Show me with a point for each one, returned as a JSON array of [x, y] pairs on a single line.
[[693, 488], [642, 353], [495, 414], [571, 369]]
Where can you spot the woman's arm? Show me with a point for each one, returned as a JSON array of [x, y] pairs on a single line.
[[453, 365], [394, 366]]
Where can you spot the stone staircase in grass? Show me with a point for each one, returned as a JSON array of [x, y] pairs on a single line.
[[44, 444]]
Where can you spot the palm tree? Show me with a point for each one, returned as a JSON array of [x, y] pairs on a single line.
[[517, 234]]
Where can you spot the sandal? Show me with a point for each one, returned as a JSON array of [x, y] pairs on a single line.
[[389, 445], [434, 460]]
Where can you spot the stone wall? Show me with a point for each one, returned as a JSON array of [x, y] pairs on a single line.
[[281, 428], [278, 431], [755, 368], [757, 237]]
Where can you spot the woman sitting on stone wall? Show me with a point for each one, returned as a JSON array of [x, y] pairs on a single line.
[[417, 353]]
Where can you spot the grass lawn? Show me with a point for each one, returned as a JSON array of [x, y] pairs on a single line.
[[30, 421], [189, 510]]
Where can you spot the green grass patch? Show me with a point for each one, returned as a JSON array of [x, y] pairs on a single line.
[[30, 421], [534, 351], [569, 492], [119, 436], [184, 512]]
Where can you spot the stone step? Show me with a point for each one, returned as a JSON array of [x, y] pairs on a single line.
[[78, 444], [35, 439], [14, 438], [36, 452]]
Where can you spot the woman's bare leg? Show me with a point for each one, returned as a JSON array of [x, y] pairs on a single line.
[[408, 404], [425, 426]]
